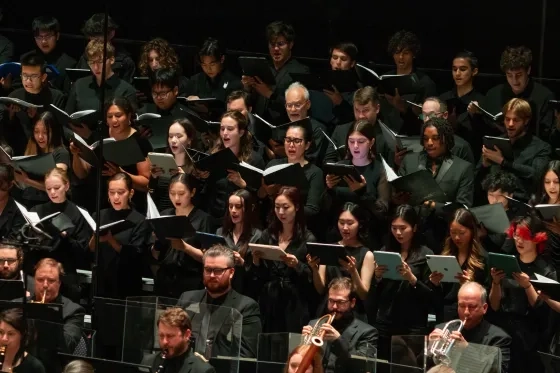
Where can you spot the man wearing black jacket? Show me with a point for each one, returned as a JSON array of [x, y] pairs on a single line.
[[472, 307], [346, 335]]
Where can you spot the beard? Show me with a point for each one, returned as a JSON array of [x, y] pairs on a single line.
[[9, 275], [216, 286]]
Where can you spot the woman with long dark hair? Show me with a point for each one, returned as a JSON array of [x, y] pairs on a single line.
[[462, 243], [14, 336], [402, 305], [286, 284], [239, 230]]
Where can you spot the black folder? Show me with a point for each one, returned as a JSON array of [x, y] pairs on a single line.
[[207, 240], [501, 143], [11, 289], [60, 223], [328, 254], [201, 125], [257, 67], [422, 187], [286, 174], [159, 129], [35, 166], [406, 84], [116, 227], [340, 169], [172, 226], [493, 217], [50, 312], [549, 288], [124, 152], [218, 163], [75, 74], [343, 80], [143, 84]]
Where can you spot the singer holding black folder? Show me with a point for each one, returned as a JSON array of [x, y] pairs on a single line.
[[46, 138], [11, 219], [514, 301], [119, 113], [69, 247], [14, 335], [121, 254], [181, 135], [180, 267], [286, 285], [360, 141], [235, 136], [239, 230], [359, 264], [402, 305]]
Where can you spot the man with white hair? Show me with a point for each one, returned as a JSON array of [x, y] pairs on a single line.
[[297, 108], [472, 307]]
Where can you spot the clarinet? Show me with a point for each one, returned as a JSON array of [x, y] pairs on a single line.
[[2, 357], [161, 367]]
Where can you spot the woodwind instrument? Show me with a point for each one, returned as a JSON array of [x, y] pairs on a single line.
[[314, 340], [162, 365]]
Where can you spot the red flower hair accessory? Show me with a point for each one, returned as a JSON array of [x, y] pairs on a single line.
[[523, 232]]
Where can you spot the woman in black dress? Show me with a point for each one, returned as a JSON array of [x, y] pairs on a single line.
[[239, 230], [14, 336], [121, 255], [11, 219], [286, 284], [180, 261]]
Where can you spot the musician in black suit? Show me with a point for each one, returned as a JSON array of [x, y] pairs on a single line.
[[472, 307], [221, 333], [346, 335], [174, 333], [454, 176]]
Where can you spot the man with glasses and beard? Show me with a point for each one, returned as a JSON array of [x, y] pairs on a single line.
[[346, 335], [174, 333], [11, 261], [212, 326]]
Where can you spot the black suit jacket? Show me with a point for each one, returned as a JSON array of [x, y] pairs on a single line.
[[356, 339], [189, 362], [224, 324], [455, 177]]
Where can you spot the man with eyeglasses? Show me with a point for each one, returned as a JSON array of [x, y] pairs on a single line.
[[17, 121], [86, 92], [297, 108], [211, 338], [270, 101], [46, 32], [11, 262], [346, 335], [433, 107], [174, 334]]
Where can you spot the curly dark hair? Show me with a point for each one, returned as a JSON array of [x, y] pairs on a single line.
[[445, 132], [404, 40], [501, 180], [516, 58], [168, 56]]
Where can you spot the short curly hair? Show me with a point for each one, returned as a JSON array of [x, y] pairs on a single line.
[[445, 132], [168, 56], [501, 180], [516, 58], [404, 39]]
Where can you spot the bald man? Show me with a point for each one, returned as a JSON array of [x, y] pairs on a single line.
[[472, 307]]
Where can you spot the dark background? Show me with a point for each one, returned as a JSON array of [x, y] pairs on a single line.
[[484, 27]]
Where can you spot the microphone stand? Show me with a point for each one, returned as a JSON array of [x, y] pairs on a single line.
[[99, 129]]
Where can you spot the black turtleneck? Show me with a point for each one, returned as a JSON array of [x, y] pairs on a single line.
[[220, 87]]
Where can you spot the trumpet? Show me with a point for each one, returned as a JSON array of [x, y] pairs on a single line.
[[314, 340], [440, 349], [42, 300]]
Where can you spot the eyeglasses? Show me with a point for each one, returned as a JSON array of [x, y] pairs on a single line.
[[293, 140], [161, 95], [279, 44], [9, 260], [429, 116], [43, 37], [332, 302], [215, 271], [295, 105], [30, 77], [96, 62]]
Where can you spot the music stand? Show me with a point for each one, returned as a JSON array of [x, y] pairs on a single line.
[[106, 366]]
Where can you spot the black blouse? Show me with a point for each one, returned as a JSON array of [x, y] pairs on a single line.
[[179, 272], [120, 274], [30, 364]]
